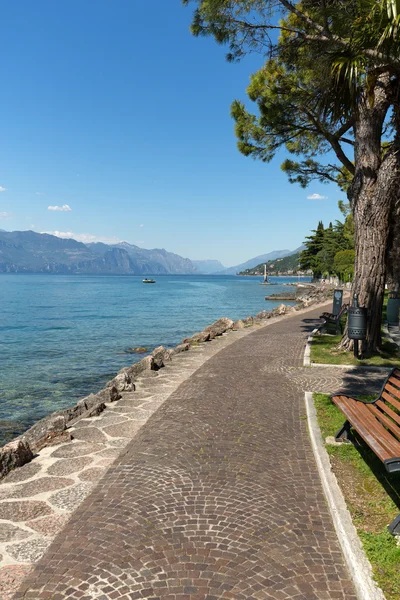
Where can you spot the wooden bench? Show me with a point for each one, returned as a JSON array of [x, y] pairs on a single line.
[[378, 423], [331, 319]]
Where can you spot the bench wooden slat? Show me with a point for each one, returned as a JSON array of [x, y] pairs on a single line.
[[347, 406], [393, 415], [391, 400], [384, 420], [390, 387], [360, 416]]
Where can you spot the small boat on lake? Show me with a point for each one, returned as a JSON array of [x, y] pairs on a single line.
[[148, 280]]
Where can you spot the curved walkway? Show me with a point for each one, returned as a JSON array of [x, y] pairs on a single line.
[[218, 495]]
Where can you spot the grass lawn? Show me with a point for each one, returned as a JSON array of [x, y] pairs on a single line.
[[372, 497], [324, 349]]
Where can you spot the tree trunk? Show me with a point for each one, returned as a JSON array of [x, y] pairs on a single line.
[[371, 196], [393, 255]]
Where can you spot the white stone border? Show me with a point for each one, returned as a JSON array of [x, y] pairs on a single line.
[[356, 560], [307, 351]]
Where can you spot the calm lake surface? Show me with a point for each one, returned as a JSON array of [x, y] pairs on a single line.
[[63, 337]]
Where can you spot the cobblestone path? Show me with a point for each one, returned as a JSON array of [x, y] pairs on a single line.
[[217, 497]]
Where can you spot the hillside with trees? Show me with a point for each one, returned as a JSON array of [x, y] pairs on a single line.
[[288, 265]]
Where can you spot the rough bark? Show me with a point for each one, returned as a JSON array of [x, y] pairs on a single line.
[[372, 196], [393, 255]]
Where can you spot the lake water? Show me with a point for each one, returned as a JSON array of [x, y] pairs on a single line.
[[63, 337]]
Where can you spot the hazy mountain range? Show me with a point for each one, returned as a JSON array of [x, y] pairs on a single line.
[[31, 252]]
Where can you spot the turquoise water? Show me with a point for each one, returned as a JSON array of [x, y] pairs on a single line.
[[62, 337]]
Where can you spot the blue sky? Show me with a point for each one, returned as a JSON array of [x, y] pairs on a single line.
[[115, 111]]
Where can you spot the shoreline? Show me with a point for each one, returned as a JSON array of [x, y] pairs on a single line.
[[53, 429], [38, 498]]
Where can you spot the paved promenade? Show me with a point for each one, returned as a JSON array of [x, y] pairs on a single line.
[[217, 496]]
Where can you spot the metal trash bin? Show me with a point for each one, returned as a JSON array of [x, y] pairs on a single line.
[[357, 321]]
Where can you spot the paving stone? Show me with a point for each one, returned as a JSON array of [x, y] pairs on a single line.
[[106, 462], [11, 578], [38, 486], [69, 466], [22, 473], [70, 498], [29, 551], [89, 434], [48, 526], [109, 453], [23, 510], [76, 450], [216, 497], [110, 420], [127, 429], [91, 474], [9, 532], [118, 443]]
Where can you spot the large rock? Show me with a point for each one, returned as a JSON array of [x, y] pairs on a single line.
[[248, 321], [238, 325], [123, 382], [219, 327], [262, 315], [47, 429], [15, 454], [197, 338], [161, 356], [94, 402], [180, 348], [146, 364]]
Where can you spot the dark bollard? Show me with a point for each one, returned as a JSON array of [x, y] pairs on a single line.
[[337, 302], [357, 323]]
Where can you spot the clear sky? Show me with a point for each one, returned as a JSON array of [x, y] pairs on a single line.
[[115, 113]]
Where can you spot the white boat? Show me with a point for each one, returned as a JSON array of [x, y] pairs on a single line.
[[148, 280]]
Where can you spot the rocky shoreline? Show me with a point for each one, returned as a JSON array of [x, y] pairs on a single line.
[[54, 429], [78, 445]]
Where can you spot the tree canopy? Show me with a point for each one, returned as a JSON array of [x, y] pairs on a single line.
[[331, 82]]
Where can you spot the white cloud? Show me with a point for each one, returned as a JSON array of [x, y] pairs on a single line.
[[317, 197], [63, 208], [141, 225], [5, 215], [86, 238], [2, 189]]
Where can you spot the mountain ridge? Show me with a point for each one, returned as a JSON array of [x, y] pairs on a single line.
[[32, 252]]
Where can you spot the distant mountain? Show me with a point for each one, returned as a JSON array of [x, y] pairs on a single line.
[[253, 262], [154, 262], [207, 267], [31, 252]]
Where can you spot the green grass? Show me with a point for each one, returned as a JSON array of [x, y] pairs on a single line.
[[372, 497], [324, 349]]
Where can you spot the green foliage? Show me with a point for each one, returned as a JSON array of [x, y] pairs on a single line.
[[328, 57], [324, 245], [343, 264]]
